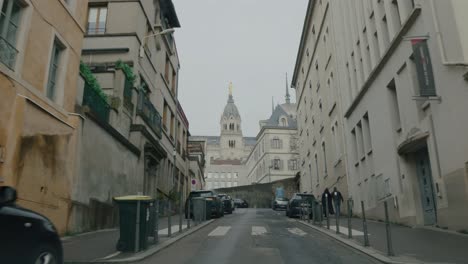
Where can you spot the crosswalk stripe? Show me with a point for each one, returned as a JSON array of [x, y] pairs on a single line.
[[344, 230], [258, 230], [220, 231], [296, 231]]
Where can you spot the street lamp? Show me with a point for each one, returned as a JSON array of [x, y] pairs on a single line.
[[164, 32]]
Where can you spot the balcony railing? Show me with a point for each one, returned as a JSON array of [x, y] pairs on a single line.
[[149, 114], [97, 104], [8, 53]]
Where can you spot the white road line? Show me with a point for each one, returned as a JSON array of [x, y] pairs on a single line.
[[258, 230], [296, 231], [110, 256], [174, 229], [344, 230], [220, 231]]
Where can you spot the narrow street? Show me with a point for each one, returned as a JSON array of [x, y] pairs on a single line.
[[257, 236]]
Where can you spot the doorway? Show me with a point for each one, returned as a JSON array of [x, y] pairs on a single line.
[[426, 190]]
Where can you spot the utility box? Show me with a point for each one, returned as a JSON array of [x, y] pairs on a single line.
[[135, 214], [199, 209]]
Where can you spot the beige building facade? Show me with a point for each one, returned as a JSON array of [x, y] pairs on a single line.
[[402, 76], [275, 156], [320, 118], [40, 49]]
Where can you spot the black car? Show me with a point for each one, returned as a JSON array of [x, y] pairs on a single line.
[[298, 202], [214, 206], [227, 203], [240, 203], [26, 236]]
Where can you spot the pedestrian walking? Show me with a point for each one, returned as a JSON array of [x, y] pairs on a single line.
[[337, 200], [327, 198]]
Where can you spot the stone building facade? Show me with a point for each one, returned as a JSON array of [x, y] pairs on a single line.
[[319, 109], [40, 49], [136, 140], [276, 153], [226, 154], [402, 76]]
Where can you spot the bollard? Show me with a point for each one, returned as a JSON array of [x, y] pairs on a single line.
[[327, 213], [321, 213], [180, 212], [364, 224], [169, 224], [337, 220], [350, 214], [156, 222], [389, 234], [188, 214]]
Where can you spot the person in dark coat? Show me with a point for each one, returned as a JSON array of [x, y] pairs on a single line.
[[327, 197], [337, 200]]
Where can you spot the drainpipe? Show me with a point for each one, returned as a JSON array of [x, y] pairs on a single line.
[[440, 42]]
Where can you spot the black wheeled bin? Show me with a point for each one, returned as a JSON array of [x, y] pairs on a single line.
[[134, 228]]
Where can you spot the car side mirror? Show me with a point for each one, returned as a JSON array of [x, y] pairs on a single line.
[[7, 195]]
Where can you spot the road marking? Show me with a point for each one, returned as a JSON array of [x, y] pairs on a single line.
[[258, 230], [296, 231], [110, 256], [220, 231], [344, 230], [174, 229]]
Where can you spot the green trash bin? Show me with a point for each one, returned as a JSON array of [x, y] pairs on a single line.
[[134, 228]]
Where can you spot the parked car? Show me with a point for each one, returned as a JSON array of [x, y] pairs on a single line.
[[240, 203], [298, 202], [26, 236], [279, 203], [214, 206], [227, 203]]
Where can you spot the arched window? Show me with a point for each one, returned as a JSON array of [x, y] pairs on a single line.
[[283, 122]]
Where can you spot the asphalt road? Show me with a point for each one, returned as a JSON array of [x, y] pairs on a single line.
[[257, 236]]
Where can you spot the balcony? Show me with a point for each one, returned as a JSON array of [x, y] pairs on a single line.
[[96, 102], [149, 114], [8, 53]]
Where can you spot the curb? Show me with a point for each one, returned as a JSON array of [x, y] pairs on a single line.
[[151, 251], [377, 255]]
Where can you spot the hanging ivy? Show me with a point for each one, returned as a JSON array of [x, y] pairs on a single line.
[[91, 80], [128, 71]]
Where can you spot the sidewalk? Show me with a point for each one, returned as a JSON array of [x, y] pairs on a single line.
[[100, 244], [418, 244]]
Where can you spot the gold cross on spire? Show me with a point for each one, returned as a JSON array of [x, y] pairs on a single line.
[[230, 88]]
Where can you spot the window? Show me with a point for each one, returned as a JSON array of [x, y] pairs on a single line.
[[325, 169], [97, 17], [292, 165], [127, 94], [316, 168], [228, 184], [235, 184], [277, 164], [276, 143], [284, 122], [172, 125], [9, 22], [394, 107], [229, 175], [53, 70], [222, 175], [168, 67], [165, 115], [174, 82], [225, 126], [235, 175]]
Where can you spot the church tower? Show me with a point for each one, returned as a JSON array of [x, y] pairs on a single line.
[[231, 141]]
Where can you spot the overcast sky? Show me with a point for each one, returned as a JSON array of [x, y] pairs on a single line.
[[252, 43]]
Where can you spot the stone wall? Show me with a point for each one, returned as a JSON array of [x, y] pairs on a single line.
[[261, 195]]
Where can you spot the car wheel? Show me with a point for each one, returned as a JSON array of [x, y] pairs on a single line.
[[45, 254]]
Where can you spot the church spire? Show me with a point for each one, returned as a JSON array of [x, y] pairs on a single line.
[[231, 99], [272, 104], [288, 97]]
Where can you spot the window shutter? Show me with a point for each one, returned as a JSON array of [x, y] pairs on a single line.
[[280, 143]]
